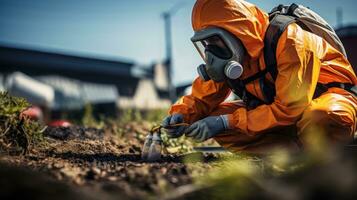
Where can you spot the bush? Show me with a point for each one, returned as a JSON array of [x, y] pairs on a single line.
[[17, 133]]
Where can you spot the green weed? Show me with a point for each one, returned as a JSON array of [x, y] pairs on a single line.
[[17, 133]]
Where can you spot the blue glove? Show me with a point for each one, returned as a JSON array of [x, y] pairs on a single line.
[[174, 132], [207, 128]]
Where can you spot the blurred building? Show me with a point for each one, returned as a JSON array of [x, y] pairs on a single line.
[[2, 88], [184, 89], [348, 36], [78, 80]]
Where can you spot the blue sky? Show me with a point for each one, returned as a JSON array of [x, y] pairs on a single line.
[[123, 29]]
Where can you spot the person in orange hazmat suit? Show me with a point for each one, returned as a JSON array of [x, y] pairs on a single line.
[[229, 35]]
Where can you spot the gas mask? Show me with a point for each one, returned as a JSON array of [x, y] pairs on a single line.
[[222, 52]]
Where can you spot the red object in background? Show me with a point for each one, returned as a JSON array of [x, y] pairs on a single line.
[[60, 123], [34, 113]]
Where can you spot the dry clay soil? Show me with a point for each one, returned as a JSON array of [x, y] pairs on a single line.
[[87, 163]]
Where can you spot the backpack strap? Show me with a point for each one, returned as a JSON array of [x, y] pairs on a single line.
[[275, 29], [278, 23], [277, 26], [292, 9]]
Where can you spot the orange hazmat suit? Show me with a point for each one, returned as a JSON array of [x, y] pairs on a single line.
[[303, 60]]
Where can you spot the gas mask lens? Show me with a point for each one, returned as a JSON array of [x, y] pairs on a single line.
[[222, 53], [214, 45]]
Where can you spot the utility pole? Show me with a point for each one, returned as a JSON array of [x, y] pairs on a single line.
[[167, 16], [339, 17], [168, 59]]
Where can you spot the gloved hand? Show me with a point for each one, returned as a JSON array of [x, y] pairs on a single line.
[[207, 128], [174, 132]]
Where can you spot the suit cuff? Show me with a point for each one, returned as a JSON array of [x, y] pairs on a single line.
[[230, 122], [225, 121]]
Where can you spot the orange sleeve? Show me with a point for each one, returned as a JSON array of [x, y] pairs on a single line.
[[205, 97], [298, 71]]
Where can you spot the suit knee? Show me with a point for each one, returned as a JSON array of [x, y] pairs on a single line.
[[336, 126]]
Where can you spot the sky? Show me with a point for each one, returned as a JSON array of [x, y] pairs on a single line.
[[129, 30]]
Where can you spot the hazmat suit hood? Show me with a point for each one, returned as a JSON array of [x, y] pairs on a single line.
[[242, 19]]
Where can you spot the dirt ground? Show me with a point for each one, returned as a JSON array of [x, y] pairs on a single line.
[[88, 163]]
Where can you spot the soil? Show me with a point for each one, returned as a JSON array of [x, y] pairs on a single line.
[[89, 163]]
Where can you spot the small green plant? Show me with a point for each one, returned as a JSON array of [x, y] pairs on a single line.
[[156, 115], [17, 132], [130, 115], [180, 145], [89, 120], [126, 116]]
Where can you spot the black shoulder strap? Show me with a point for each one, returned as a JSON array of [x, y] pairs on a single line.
[[277, 26], [275, 29]]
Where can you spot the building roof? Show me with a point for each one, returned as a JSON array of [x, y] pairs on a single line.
[[86, 69], [122, 74], [42, 63]]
